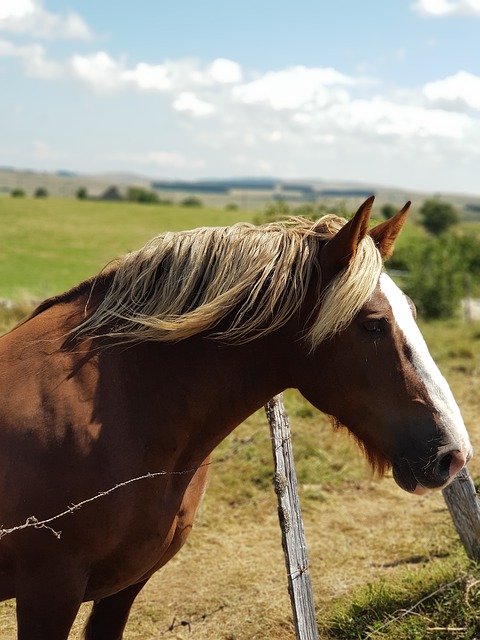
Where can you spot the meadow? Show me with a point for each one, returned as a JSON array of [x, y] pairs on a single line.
[[384, 564]]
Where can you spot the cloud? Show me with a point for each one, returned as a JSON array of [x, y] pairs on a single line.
[[296, 87], [29, 17], [188, 102], [460, 91], [441, 8], [382, 118], [33, 57], [225, 71], [282, 120], [105, 73], [99, 70], [169, 159], [323, 106], [346, 123], [43, 151]]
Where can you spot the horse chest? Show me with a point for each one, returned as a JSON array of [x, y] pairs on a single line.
[[155, 535]]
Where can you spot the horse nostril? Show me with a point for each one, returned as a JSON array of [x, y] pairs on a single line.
[[449, 464], [458, 462], [443, 465]]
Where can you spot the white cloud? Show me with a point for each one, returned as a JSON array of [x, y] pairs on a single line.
[[382, 118], [188, 102], [31, 18], [460, 91], [320, 105], [99, 70], [34, 59], [225, 71], [164, 159], [43, 151], [441, 8], [281, 121], [16, 9], [296, 87], [105, 73]]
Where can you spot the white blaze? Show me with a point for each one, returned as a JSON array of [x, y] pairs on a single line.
[[437, 387]]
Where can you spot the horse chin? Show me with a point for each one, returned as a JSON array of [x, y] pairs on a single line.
[[421, 490], [406, 480]]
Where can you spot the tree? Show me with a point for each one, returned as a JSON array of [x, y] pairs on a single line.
[[388, 210], [280, 210], [437, 216], [139, 194], [82, 193], [41, 192], [437, 269], [191, 201]]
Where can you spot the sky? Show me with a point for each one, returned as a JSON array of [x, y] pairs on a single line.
[[377, 91]]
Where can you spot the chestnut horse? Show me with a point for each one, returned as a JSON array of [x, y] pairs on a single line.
[[148, 366]]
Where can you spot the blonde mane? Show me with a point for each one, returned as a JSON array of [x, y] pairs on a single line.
[[252, 279]]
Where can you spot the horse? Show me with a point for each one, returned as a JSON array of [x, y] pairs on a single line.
[[142, 370]]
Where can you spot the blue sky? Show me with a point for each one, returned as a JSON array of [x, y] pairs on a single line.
[[376, 91]]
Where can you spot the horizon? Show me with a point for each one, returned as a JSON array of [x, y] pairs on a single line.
[[64, 172]]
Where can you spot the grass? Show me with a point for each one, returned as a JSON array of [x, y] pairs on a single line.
[[384, 565], [442, 600], [49, 245]]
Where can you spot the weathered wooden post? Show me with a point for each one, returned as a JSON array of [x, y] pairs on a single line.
[[291, 524], [464, 506]]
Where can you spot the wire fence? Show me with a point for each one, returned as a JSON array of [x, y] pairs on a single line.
[[35, 522]]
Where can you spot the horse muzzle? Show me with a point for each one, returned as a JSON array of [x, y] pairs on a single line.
[[419, 477]]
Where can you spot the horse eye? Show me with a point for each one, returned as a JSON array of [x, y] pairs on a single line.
[[373, 326]]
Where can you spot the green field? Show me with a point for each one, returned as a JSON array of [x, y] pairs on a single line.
[[50, 245], [385, 565]]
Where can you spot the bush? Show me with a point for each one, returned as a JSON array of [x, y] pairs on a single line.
[[41, 192], [388, 211], [437, 271], [231, 206], [17, 193], [139, 194], [437, 216], [279, 210], [191, 201], [470, 249], [81, 193]]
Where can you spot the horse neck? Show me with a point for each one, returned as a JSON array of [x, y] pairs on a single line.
[[198, 389]]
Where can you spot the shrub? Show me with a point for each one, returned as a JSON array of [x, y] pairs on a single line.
[[437, 216], [191, 201], [17, 193], [139, 194], [279, 210], [437, 270], [41, 192], [81, 193], [388, 211]]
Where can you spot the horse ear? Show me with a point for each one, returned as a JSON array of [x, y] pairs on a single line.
[[385, 234], [341, 249]]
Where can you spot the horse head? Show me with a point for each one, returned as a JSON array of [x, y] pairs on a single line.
[[381, 381]]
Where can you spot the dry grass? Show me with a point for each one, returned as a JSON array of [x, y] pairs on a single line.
[[228, 583]]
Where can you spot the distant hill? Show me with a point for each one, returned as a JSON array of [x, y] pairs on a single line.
[[246, 192]]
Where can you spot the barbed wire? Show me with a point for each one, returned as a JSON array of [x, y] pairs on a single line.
[[36, 523]]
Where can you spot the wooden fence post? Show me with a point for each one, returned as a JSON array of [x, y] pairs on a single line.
[[464, 506], [291, 524]]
